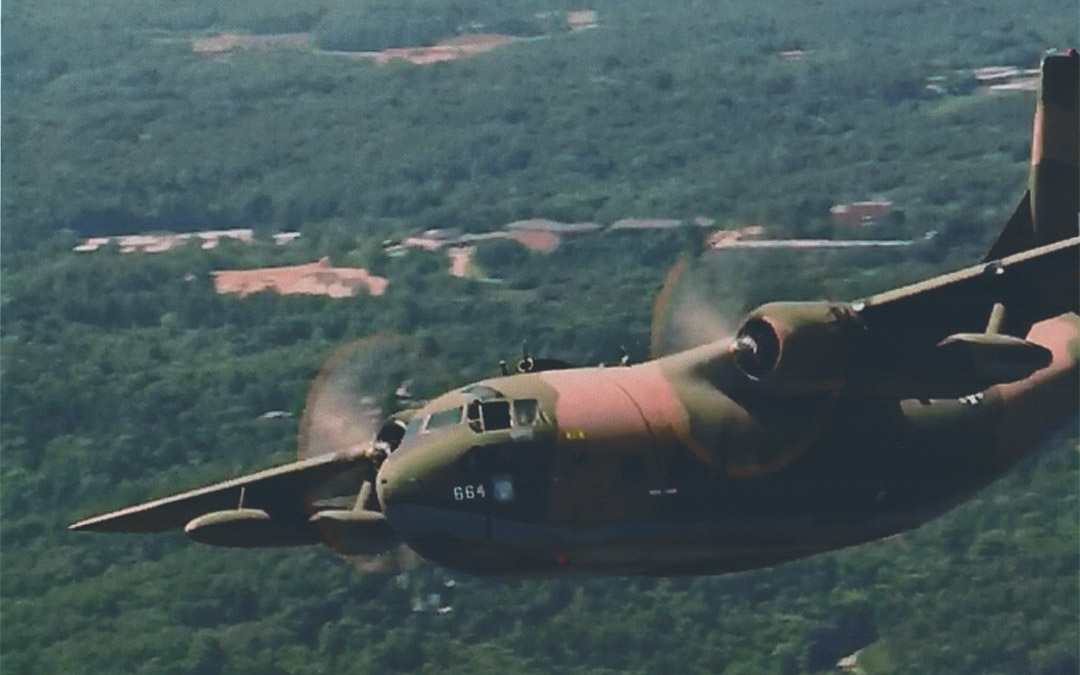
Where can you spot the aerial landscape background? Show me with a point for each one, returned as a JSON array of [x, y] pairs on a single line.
[[457, 177]]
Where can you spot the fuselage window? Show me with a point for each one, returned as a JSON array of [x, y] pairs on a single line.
[[496, 415], [525, 412], [443, 418]]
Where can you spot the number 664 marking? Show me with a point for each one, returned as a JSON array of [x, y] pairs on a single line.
[[467, 492]]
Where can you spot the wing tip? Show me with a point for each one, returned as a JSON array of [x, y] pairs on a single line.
[[94, 524]]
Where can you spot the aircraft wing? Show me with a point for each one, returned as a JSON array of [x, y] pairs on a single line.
[[905, 326], [279, 491]]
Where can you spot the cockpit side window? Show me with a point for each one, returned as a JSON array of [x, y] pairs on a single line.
[[414, 425], [391, 435], [496, 415], [443, 418], [526, 411]]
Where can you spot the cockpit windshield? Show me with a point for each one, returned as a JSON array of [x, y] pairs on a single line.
[[482, 414], [436, 420], [503, 414], [443, 418]]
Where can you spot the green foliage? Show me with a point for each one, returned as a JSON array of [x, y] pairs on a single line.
[[383, 25], [500, 257], [125, 377]]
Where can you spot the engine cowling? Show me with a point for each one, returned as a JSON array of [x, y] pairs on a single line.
[[795, 347], [756, 402], [249, 528]]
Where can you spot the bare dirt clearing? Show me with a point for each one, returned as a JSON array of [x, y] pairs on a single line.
[[451, 49], [317, 278]]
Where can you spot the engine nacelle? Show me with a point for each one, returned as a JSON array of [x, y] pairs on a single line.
[[757, 402], [355, 532], [795, 347], [249, 528]]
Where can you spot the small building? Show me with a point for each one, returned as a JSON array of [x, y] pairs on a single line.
[[659, 223], [158, 243], [554, 226], [91, 244], [861, 213], [646, 224], [582, 19], [725, 238], [996, 74], [284, 238], [1005, 79], [433, 240], [210, 238]]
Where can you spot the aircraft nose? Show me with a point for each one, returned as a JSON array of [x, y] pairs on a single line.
[[398, 481], [428, 493]]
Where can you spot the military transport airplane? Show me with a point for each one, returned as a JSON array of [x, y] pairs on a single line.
[[818, 425]]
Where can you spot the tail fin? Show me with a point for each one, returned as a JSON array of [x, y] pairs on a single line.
[[1049, 209]]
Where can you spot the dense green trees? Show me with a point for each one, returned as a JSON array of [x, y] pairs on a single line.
[[652, 113], [126, 377], [382, 25]]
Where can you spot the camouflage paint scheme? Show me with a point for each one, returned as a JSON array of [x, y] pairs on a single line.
[[816, 426]]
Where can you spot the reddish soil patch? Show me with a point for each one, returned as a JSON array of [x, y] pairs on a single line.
[[317, 278], [722, 238], [536, 240], [223, 43], [461, 261], [448, 50]]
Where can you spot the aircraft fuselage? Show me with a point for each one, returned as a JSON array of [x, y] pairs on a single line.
[[613, 470]]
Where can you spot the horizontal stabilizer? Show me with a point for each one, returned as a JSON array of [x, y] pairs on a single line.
[[906, 327], [974, 361]]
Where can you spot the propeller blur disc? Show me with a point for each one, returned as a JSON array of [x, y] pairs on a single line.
[[345, 406], [354, 388], [691, 308]]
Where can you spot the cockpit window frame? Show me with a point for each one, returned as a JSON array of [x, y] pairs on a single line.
[[476, 418], [482, 392]]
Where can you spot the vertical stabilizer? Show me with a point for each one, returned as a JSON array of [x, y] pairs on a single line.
[[1055, 150], [1049, 210]]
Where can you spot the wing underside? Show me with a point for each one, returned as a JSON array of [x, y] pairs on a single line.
[[907, 328], [279, 491]]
